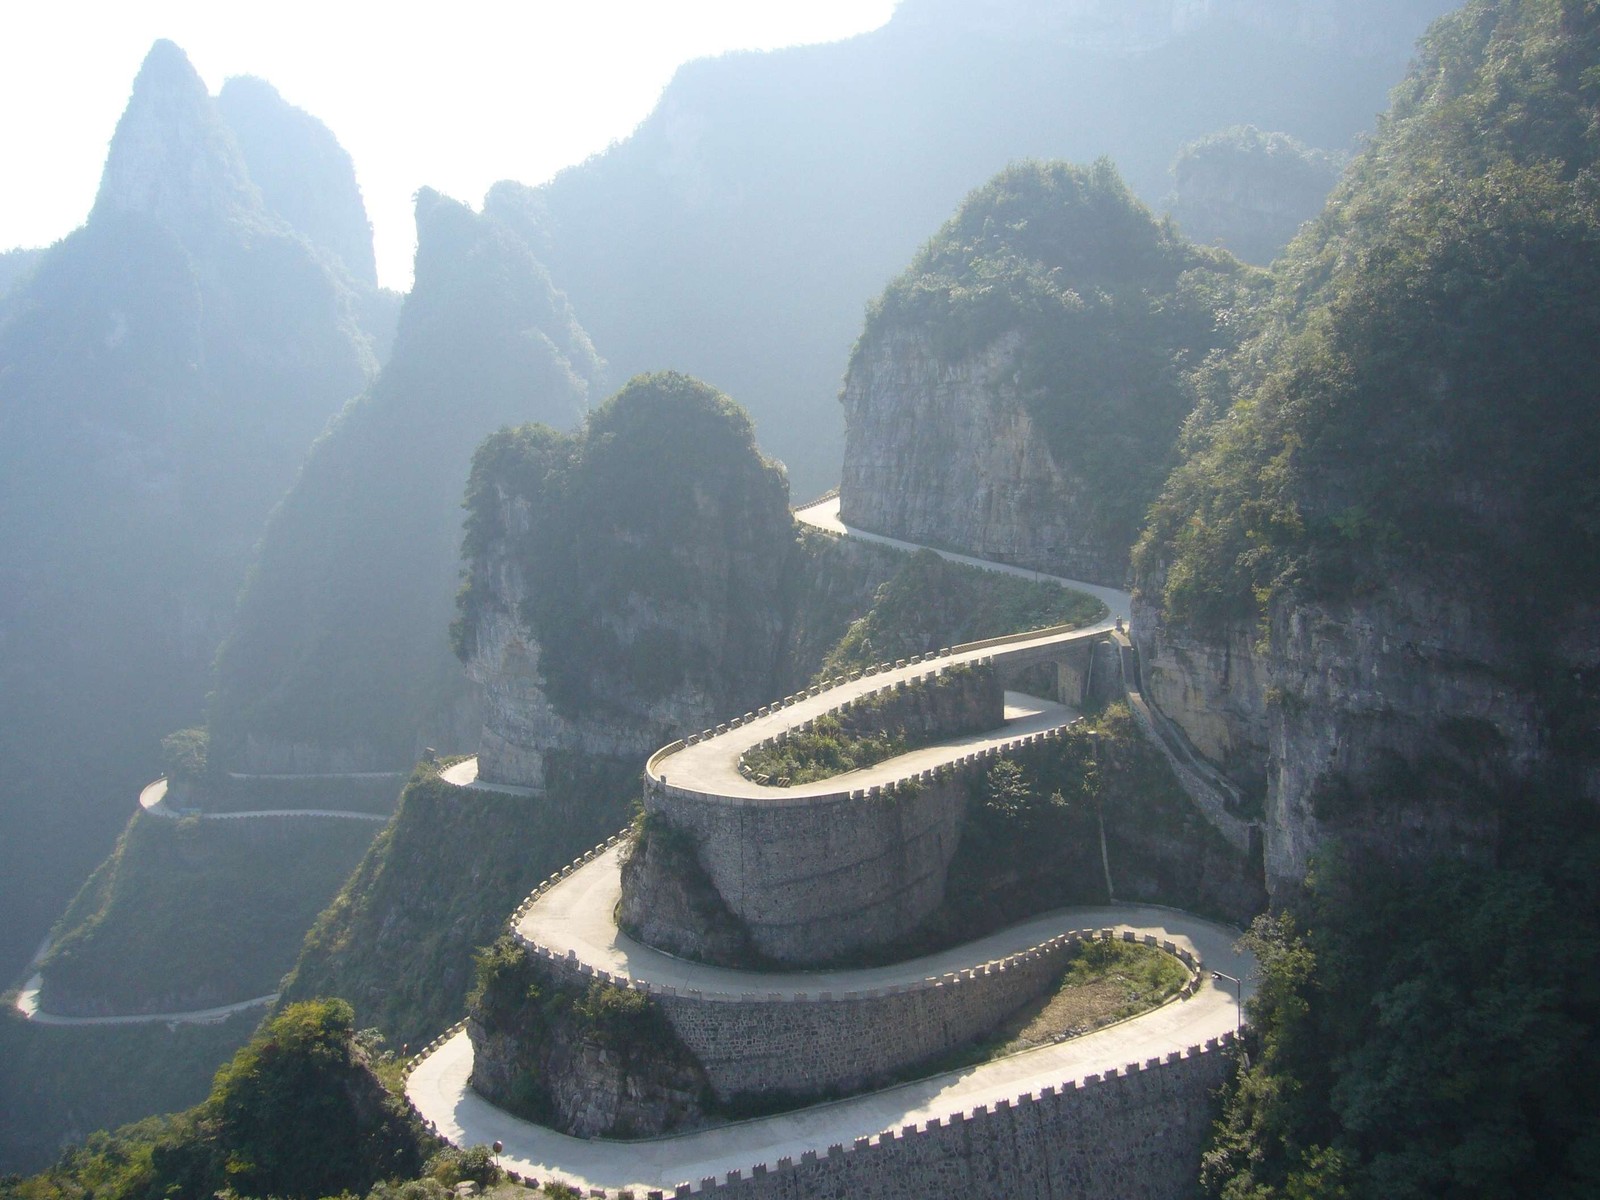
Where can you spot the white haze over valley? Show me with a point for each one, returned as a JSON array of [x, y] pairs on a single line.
[[452, 97]]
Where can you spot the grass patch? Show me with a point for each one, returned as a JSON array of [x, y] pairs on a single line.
[[1106, 983], [960, 700], [828, 749], [931, 602]]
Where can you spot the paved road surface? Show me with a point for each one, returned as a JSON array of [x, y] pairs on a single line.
[[438, 1086], [824, 514], [464, 774], [712, 765], [28, 1005], [153, 799]]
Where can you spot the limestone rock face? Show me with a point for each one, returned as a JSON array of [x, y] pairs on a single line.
[[948, 455], [628, 586], [1406, 696], [1214, 688], [172, 157], [669, 902], [523, 729]]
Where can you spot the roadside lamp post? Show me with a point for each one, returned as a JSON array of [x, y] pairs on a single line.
[[1238, 998]]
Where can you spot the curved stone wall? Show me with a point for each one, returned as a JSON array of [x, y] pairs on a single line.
[[1135, 1134], [809, 1044], [814, 880]]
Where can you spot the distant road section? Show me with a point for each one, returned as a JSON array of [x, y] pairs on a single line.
[[153, 799], [28, 1005], [464, 774], [824, 515]]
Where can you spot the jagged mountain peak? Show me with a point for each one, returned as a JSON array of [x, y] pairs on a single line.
[[172, 157], [306, 177]]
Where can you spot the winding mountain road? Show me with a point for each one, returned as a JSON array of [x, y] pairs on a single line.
[[28, 1005], [439, 1090], [153, 800], [575, 916]]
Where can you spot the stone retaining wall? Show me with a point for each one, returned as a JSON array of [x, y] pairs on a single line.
[[752, 1044], [814, 877], [1136, 1134]]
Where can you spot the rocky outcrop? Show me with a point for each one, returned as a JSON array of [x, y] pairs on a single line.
[[669, 902], [1386, 723], [948, 454], [1249, 191], [597, 1063], [172, 157], [305, 176], [626, 584]]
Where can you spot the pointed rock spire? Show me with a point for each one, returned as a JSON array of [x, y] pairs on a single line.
[[172, 157]]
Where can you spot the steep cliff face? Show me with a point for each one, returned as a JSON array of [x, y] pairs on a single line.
[[948, 454], [1017, 391], [1335, 708], [1371, 583], [1249, 191], [626, 584]]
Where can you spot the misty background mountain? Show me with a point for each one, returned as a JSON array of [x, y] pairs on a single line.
[[165, 368]]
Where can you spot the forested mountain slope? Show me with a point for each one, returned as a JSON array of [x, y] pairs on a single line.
[[1377, 577], [340, 660]]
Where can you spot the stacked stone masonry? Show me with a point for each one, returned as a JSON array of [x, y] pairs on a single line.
[[796, 868], [810, 1044], [1134, 1134]]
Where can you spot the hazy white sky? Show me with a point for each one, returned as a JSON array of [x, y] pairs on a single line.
[[451, 95]]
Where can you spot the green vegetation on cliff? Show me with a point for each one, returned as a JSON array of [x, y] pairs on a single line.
[[298, 1113], [1427, 1033], [1036, 823], [1111, 310], [1423, 392], [192, 914], [440, 881], [1417, 416], [518, 1003], [652, 545]]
